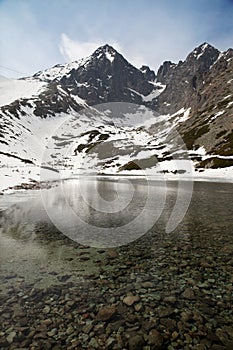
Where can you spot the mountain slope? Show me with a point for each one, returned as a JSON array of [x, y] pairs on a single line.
[[48, 119], [203, 82]]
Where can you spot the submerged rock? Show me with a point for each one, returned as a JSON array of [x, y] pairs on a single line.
[[105, 313], [130, 299]]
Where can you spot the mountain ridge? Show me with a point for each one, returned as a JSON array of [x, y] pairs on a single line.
[[195, 97]]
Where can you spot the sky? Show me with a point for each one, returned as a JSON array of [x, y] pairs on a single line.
[[38, 34]]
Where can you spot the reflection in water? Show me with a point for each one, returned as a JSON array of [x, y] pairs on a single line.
[[104, 213], [208, 220], [104, 206]]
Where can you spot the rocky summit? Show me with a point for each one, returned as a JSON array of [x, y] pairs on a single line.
[[54, 112]]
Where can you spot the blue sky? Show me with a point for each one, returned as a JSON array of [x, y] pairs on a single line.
[[37, 34]]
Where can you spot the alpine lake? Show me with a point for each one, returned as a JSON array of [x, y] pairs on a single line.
[[79, 272]]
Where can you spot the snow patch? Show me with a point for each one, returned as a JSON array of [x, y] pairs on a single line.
[[110, 56], [226, 97], [154, 93], [79, 100], [14, 89], [185, 116], [217, 115], [203, 50]]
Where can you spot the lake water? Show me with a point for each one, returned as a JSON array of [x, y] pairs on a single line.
[[107, 213], [80, 233]]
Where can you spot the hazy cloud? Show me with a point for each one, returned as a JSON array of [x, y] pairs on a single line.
[[35, 35], [73, 50]]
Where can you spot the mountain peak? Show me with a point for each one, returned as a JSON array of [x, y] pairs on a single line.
[[204, 48], [106, 50]]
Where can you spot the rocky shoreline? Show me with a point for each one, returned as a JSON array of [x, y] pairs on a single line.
[[32, 185], [150, 295]]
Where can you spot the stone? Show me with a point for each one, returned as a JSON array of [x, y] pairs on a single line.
[[175, 335], [11, 337], [94, 344], [112, 254], [46, 322], [19, 313], [105, 313], [147, 285], [138, 307], [170, 300], [186, 316], [165, 311], [156, 339], [40, 336], [136, 342], [110, 342], [130, 299], [23, 321], [169, 323], [87, 329], [46, 309], [188, 294], [52, 332]]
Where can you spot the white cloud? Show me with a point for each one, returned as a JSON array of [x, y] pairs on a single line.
[[73, 50]]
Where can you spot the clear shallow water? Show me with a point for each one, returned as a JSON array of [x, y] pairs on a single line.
[[56, 293], [104, 213]]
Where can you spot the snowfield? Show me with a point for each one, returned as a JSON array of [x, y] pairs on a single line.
[[14, 89], [96, 142]]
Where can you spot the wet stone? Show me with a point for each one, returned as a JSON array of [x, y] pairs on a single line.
[[130, 299], [136, 342], [11, 337], [161, 299], [105, 313], [188, 294], [155, 339], [164, 312], [147, 285], [170, 300], [46, 309]]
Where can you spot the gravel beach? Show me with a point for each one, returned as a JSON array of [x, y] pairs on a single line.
[[156, 293]]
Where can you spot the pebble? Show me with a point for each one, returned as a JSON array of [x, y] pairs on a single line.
[[186, 316], [164, 312], [46, 309], [53, 332], [105, 313], [10, 337], [188, 294], [136, 342], [147, 285], [138, 307], [137, 301], [155, 339], [130, 299], [170, 300]]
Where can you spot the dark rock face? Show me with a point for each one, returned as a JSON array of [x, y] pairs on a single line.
[[148, 73], [211, 119], [52, 101], [203, 83], [185, 79], [164, 74], [108, 77]]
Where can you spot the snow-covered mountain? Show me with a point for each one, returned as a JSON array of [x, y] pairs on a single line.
[[101, 114]]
